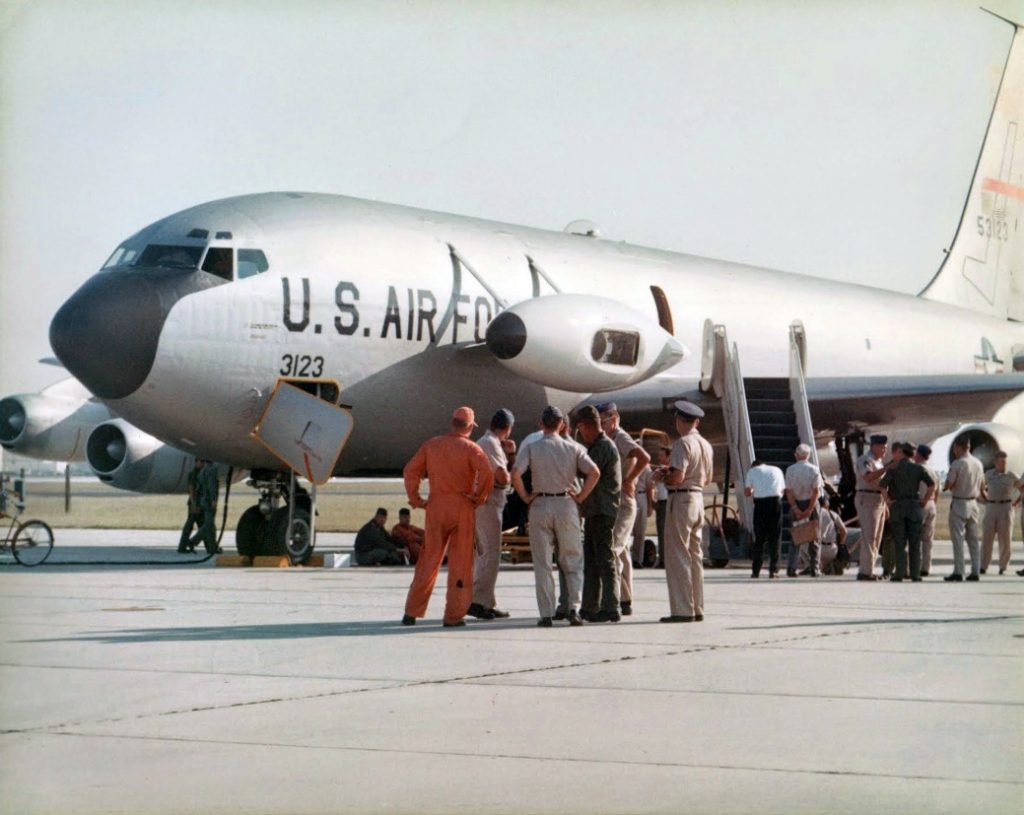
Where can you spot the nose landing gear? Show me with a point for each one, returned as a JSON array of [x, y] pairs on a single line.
[[281, 523]]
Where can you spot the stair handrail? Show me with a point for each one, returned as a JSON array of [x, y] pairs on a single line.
[[737, 423], [798, 393]]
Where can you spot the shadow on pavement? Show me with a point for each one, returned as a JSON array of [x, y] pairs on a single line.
[[282, 631]]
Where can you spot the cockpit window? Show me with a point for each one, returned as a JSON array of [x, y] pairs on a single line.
[[157, 254], [219, 261], [251, 262], [122, 256]]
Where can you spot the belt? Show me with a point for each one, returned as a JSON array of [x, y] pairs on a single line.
[[552, 494], [768, 498], [965, 497], [687, 489], [999, 502], [876, 492]]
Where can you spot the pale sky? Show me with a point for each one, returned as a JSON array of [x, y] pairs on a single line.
[[828, 138]]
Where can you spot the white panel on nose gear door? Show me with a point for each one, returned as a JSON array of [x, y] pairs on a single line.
[[305, 432]]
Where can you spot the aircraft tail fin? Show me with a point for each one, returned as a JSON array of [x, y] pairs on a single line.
[[984, 268]]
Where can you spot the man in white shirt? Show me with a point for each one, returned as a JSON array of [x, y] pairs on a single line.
[[803, 487], [765, 483]]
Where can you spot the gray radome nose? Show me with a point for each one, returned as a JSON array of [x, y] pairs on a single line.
[[107, 333]]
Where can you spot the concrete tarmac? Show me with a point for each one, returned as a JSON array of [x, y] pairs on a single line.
[[189, 688]]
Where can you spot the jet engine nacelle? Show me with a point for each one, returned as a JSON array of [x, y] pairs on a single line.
[[51, 425], [985, 439], [124, 457], [581, 342]]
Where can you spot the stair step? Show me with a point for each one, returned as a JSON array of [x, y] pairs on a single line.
[[758, 403], [759, 429], [787, 417]]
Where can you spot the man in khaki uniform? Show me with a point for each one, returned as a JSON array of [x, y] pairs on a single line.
[[964, 481], [488, 518], [553, 462], [633, 459], [928, 508], [997, 492], [804, 485], [689, 469], [869, 469]]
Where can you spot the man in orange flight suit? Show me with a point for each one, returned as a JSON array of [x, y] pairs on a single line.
[[460, 481]]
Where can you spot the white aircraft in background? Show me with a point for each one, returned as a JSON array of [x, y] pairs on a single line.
[[404, 314]]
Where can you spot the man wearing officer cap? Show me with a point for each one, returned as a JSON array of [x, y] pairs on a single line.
[[460, 481], [869, 469], [497, 446], [689, 469]]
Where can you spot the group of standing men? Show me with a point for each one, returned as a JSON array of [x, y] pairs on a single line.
[[595, 480]]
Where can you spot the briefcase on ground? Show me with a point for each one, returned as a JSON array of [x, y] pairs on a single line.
[[805, 531]]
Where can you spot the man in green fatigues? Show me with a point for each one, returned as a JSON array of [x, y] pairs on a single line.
[[194, 518], [207, 491], [903, 484], [600, 603]]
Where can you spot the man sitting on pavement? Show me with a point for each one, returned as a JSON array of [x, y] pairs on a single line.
[[407, 535], [374, 546]]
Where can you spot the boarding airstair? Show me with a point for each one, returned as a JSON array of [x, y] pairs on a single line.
[[765, 418]]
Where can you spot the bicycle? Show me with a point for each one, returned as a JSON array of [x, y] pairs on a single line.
[[30, 541]]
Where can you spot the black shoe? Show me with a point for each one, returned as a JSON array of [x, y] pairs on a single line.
[[698, 618], [478, 611], [754, 576], [1002, 571], [676, 618], [408, 619], [627, 609], [984, 570], [544, 622], [587, 615], [499, 614], [183, 551], [637, 565], [1020, 572], [790, 572], [972, 578], [924, 574], [915, 580], [606, 617], [661, 565], [456, 624], [773, 575], [574, 618], [870, 577], [954, 578], [560, 615]]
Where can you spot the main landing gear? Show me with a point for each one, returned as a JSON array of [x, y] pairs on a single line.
[[281, 523]]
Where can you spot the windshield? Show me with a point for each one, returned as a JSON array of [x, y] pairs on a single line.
[[122, 256], [157, 254]]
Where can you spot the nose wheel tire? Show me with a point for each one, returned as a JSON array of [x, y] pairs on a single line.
[[251, 532], [296, 543]]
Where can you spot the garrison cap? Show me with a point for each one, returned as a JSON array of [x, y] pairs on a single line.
[[551, 415], [878, 438], [924, 450], [502, 418], [588, 413], [688, 410], [607, 407]]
